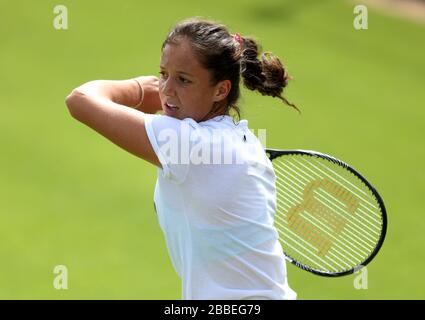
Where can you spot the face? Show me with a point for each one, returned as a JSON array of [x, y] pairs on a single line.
[[185, 88]]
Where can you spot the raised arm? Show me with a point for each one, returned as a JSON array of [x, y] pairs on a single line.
[[107, 106]]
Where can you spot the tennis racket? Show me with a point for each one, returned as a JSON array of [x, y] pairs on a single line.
[[331, 221]]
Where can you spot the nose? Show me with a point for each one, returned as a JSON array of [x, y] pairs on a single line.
[[168, 87]]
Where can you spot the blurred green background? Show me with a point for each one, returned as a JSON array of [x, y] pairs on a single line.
[[70, 197]]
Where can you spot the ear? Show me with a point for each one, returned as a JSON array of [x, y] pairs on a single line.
[[222, 90]]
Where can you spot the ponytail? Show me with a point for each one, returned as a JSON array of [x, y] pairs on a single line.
[[267, 76]]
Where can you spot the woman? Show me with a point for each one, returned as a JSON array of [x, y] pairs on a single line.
[[215, 194]]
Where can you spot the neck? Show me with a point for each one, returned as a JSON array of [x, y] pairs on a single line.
[[219, 109]]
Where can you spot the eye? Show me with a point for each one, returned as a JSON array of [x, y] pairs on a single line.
[[163, 75], [184, 80]]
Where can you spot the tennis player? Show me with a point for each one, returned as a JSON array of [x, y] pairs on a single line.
[[215, 194]]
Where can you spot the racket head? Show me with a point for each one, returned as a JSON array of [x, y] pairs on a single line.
[[351, 234]]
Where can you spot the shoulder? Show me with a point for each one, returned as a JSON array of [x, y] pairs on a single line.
[[167, 122]]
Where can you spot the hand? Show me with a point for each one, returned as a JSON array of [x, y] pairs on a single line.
[[151, 101]]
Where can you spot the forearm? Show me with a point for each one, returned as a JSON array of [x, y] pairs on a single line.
[[124, 92], [140, 93]]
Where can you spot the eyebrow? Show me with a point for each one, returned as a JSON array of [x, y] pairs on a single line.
[[179, 71], [188, 74]]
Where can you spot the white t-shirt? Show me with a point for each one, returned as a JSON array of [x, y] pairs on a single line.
[[215, 199]]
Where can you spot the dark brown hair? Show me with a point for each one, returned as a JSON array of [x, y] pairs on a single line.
[[228, 58]]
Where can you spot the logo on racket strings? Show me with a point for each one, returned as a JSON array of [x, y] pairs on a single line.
[[297, 215]]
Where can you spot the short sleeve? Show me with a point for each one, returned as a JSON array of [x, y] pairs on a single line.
[[170, 139]]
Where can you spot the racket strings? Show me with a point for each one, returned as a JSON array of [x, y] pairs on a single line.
[[326, 217]]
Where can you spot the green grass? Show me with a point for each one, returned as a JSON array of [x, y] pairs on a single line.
[[68, 196]]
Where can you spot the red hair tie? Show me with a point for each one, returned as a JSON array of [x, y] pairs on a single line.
[[237, 37]]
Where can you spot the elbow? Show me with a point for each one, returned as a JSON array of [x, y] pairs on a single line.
[[74, 102]]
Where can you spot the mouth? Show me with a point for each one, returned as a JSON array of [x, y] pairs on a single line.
[[170, 107]]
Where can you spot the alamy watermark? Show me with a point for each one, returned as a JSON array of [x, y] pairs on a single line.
[[361, 280], [60, 21], [185, 145], [360, 20], [60, 281]]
